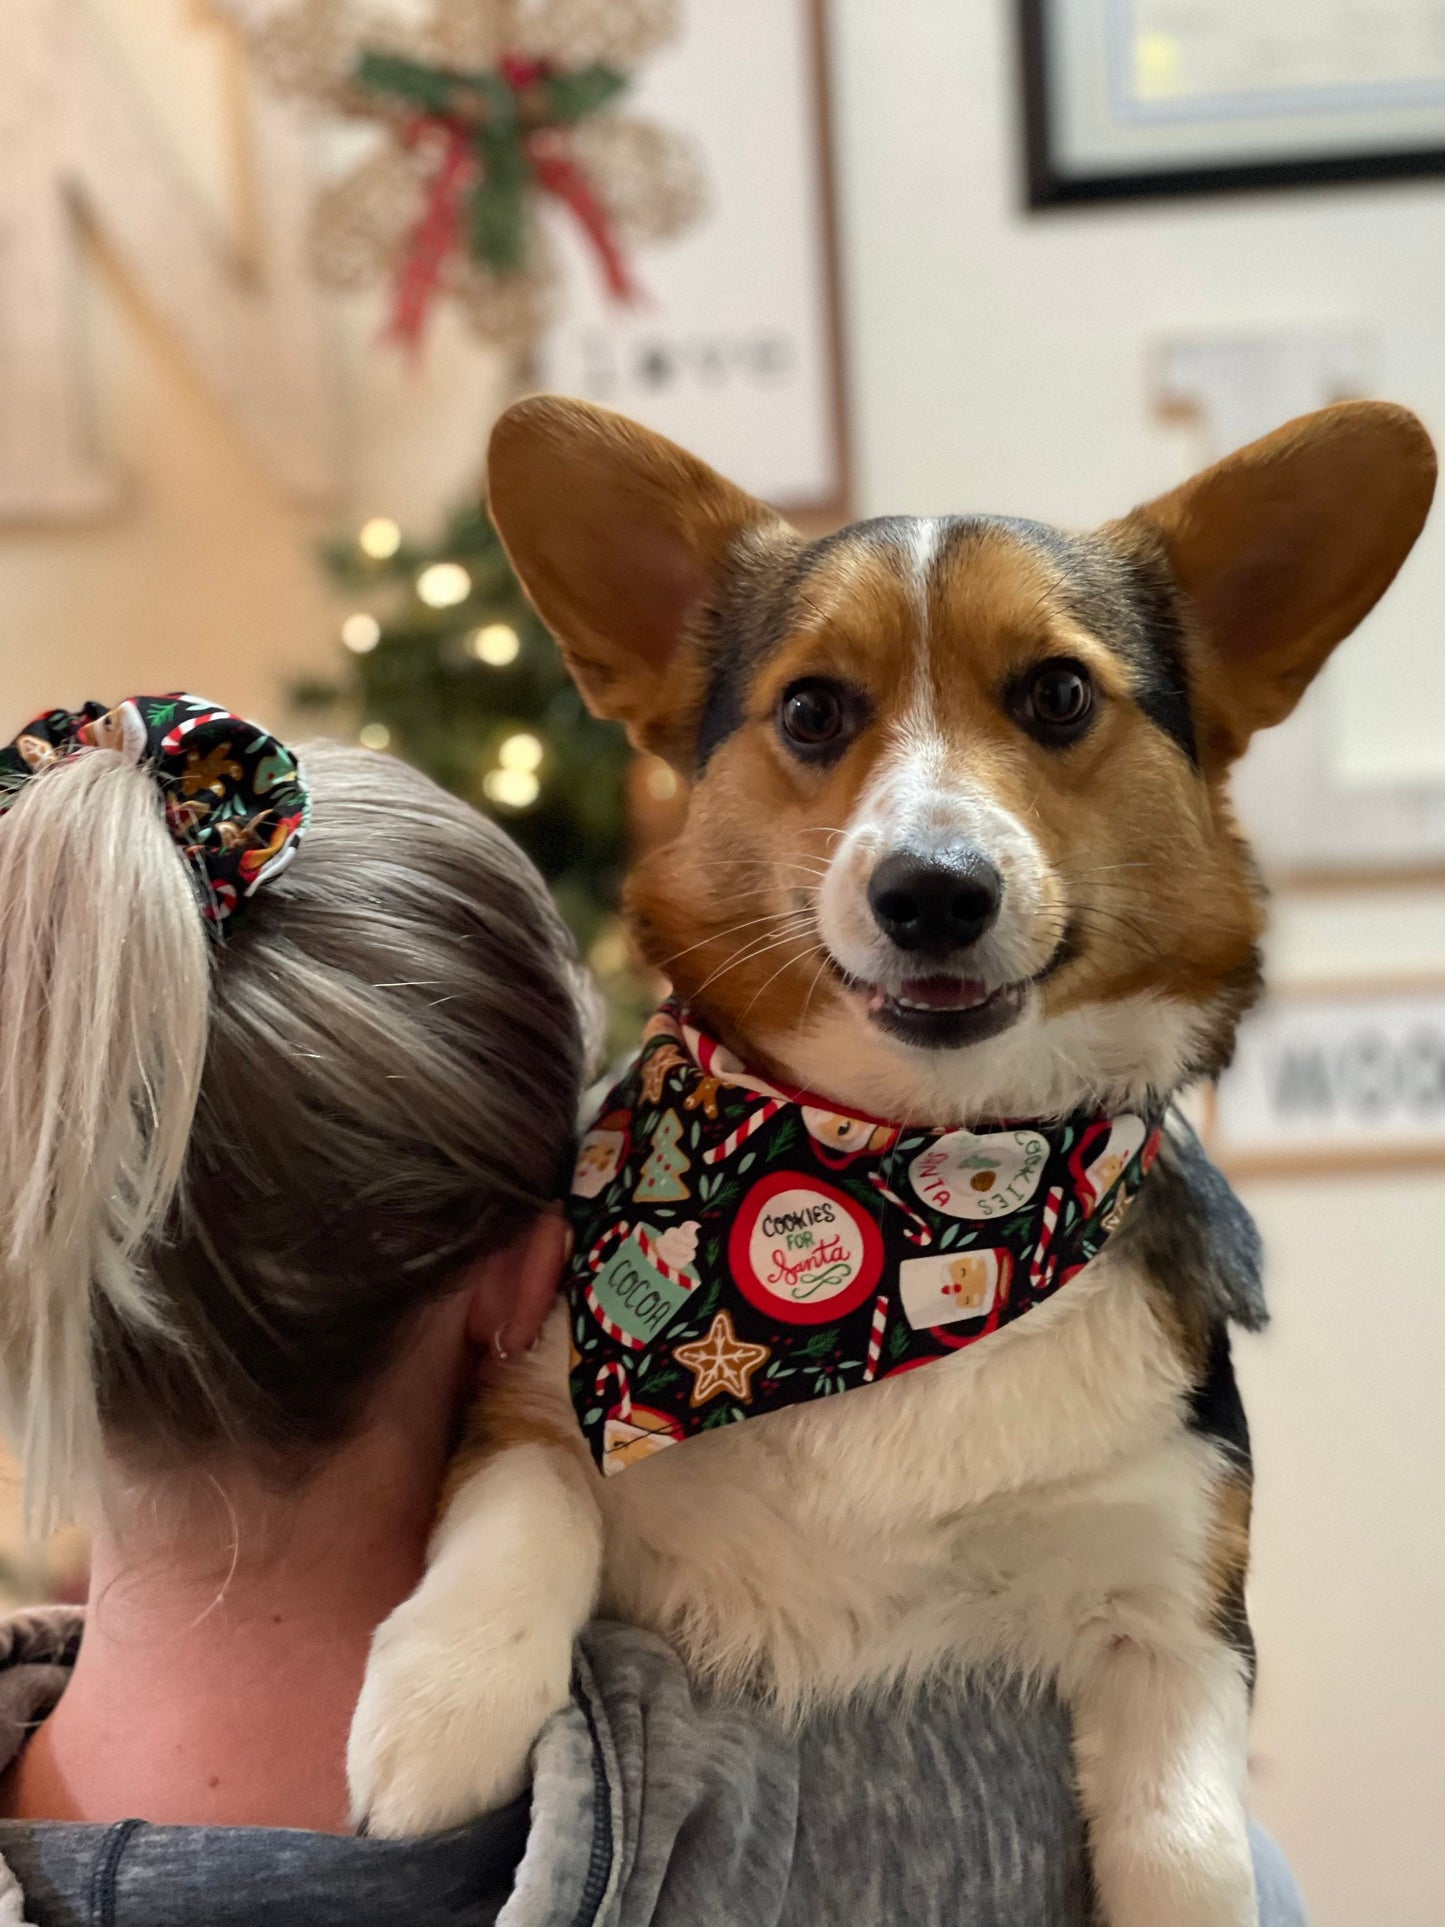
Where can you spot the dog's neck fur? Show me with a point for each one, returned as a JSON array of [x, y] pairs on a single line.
[[1126, 1055]]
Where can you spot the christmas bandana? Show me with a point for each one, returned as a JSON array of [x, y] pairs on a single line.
[[740, 1247]]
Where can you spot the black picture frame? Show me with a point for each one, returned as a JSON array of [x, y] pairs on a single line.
[[1048, 186]]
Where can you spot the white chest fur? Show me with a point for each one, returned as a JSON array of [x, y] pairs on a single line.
[[962, 1514]]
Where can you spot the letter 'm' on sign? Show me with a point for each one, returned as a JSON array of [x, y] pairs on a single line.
[[79, 146]]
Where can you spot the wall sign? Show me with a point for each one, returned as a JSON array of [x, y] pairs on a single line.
[[733, 348], [1335, 1078]]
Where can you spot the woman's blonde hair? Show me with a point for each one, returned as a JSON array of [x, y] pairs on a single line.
[[230, 1175]]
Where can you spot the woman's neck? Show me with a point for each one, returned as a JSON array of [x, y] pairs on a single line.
[[218, 1688]]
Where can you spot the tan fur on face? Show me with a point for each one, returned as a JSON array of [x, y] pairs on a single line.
[[1140, 864]]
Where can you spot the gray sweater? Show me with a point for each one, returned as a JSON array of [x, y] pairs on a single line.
[[649, 1808]]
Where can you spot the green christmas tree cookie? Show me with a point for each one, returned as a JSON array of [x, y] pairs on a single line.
[[662, 1175]]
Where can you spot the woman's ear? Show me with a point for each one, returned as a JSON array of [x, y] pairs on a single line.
[[1283, 548], [622, 541], [512, 1290]]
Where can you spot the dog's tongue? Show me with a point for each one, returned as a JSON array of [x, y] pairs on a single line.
[[932, 993]]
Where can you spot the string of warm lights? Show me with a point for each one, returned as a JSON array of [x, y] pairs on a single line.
[[514, 782], [447, 665]]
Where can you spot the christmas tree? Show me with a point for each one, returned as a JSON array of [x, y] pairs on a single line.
[[447, 665]]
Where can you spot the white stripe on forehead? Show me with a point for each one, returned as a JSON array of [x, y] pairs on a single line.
[[921, 551], [924, 540], [921, 547]]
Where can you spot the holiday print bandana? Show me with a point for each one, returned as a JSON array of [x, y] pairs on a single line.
[[234, 799], [740, 1248]]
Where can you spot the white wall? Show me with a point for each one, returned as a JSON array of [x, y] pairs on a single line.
[[1002, 362]]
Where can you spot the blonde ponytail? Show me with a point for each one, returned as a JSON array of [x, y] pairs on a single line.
[[104, 1002]]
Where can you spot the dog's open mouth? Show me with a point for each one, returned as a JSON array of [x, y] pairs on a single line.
[[942, 1013]]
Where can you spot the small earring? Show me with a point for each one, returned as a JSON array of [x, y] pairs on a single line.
[[498, 1348]]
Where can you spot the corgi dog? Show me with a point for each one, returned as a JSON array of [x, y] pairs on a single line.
[[957, 847]]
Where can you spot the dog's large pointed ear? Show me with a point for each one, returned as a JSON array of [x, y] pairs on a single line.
[[1283, 548], [621, 540]]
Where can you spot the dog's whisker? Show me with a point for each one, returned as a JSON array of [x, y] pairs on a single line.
[[749, 954], [817, 976], [720, 936], [787, 964], [1128, 914]]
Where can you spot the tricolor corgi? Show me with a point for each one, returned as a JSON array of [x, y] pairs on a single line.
[[957, 908]]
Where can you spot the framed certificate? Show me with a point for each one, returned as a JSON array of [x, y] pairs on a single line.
[[1144, 97]]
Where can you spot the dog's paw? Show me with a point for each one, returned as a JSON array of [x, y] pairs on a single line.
[[452, 1703], [1188, 1876]]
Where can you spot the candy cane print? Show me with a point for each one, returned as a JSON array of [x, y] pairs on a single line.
[[609, 1237], [173, 738], [622, 1411], [875, 1339], [916, 1230], [655, 1258], [1042, 1263], [593, 1261], [754, 1121]]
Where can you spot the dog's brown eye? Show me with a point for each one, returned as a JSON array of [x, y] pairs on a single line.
[[813, 714], [1057, 700]]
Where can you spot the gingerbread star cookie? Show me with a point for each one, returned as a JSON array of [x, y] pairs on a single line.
[[721, 1362]]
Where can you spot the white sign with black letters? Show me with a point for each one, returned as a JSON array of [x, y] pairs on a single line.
[[1336, 1075], [730, 349]]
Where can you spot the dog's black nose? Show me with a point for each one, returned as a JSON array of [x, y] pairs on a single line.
[[935, 903]]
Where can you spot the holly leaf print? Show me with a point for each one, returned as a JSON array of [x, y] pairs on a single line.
[[897, 1342], [707, 1300], [819, 1342], [746, 1163], [591, 1416], [725, 1415]]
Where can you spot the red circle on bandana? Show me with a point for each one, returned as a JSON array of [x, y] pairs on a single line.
[[759, 1258]]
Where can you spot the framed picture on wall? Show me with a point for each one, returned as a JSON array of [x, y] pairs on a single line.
[[1142, 97], [733, 348], [1335, 1077]]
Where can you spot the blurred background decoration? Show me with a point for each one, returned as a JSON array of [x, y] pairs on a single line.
[[487, 106], [443, 661], [217, 216]]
